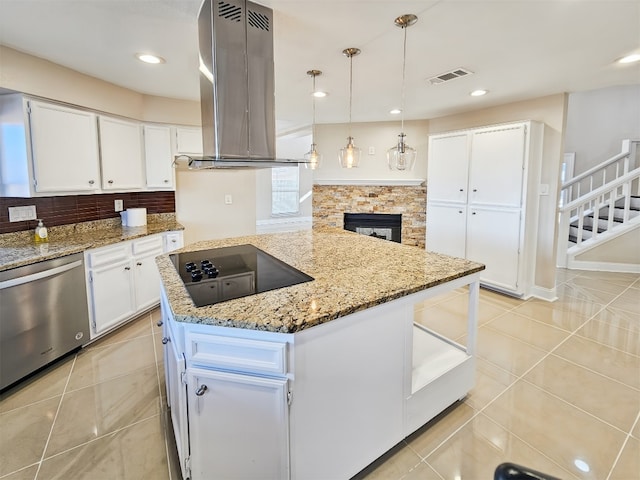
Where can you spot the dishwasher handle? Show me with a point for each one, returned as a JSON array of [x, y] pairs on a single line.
[[37, 276]]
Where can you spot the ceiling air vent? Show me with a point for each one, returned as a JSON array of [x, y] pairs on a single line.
[[447, 76], [258, 20]]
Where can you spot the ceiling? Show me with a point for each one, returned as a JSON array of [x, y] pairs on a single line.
[[517, 49]]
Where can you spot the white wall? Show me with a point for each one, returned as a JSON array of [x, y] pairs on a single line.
[[598, 121], [379, 135]]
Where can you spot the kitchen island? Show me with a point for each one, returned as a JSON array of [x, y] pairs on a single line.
[[319, 379]]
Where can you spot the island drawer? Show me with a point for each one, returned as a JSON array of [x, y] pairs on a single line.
[[236, 354]]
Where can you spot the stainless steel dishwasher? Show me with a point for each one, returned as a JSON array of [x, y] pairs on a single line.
[[43, 315]]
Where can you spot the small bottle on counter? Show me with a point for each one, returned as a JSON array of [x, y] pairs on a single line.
[[41, 235]]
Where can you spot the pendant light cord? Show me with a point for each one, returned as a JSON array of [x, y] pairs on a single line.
[[313, 124], [350, 89], [404, 64]]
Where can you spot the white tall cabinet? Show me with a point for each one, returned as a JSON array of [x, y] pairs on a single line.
[[482, 200]]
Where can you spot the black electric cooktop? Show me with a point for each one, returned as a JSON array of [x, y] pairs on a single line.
[[220, 274]]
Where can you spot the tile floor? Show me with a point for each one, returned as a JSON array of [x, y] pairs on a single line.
[[558, 390]]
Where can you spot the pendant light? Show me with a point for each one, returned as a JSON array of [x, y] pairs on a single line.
[[349, 156], [312, 157], [402, 156]]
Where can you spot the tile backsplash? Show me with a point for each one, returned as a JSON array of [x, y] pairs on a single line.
[[82, 208]]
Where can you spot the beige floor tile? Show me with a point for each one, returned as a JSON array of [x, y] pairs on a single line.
[[46, 384], [94, 411], [99, 364], [563, 274], [620, 338], [138, 327], [620, 318], [557, 429], [444, 297], [24, 433], [422, 472], [629, 301], [602, 359], [136, 452], [430, 436], [584, 294], [530, 331], [628, 465], [162, 384], [636, 430], [587, 390], [611, 284], [619, 278], [28, 473], [442, 320], [499, 299], [159, 347], [508, 353], [566, 314], [491, 381], [394, 464], [479, 447]]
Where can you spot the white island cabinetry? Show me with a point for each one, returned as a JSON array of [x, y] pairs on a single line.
[[323, 402]]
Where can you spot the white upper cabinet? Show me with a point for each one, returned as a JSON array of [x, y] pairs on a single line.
[[158, 157], [450, 154], [121, 154], [189, 141], [64, 144]]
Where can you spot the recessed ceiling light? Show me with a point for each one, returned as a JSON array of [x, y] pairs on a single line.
[[148, 58], [395, 111], [630, 58], [319, 94], [478, 93]]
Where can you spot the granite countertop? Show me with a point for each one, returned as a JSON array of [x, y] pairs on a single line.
[[352, 272], [18, 249]]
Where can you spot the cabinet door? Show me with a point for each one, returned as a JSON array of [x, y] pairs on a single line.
[[447, 229], [497, 165], [448, 168], [64, 146], [147, 280], [158, 157], [493, 238], [121, 154], [237, 410], [112, 295], [173, 241], [189, 140], [177, 397]]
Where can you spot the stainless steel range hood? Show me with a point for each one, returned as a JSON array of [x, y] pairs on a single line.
[[237, 86]]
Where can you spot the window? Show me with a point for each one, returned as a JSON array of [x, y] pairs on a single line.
[[285, 191]]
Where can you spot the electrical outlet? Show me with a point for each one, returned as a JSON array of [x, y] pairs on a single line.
[[228, 199], [21, 214], [117, 204]]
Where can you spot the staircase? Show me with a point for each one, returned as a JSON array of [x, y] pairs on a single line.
[[600, 204]]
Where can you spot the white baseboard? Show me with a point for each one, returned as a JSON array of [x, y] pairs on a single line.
[[604, 266], [548, 294]]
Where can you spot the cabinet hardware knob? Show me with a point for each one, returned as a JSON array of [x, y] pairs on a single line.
[[160, 322], [139, 263], [475, 189], [166, 181], [165, 340], [462, 189], [200, 391], [473, 213], [459, 211], [110, 182], [91, 182], [127, 268]]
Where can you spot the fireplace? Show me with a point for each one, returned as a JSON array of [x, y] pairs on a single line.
[[380, 225]]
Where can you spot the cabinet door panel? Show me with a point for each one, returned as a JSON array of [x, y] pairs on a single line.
[[494, 239], [65, 149], [158, 157], [238, 410], [112, 295], [447, 229], [121, 154], [147, 281], [177, 397], [497, 162], [448, 168], [189, 140]]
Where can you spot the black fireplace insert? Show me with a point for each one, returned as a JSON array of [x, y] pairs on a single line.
[[379, 225]]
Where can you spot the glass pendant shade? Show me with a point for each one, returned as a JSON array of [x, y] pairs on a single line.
[[402, 156], [350, 155], [312, 158]]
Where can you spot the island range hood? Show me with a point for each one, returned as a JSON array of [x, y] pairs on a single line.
[[237, 86]]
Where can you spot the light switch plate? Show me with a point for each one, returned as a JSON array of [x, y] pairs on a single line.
[[544, 189], [228, 199], [372, 150], [22, 214]]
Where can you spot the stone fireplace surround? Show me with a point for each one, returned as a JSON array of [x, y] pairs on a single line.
[[330, 202]]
